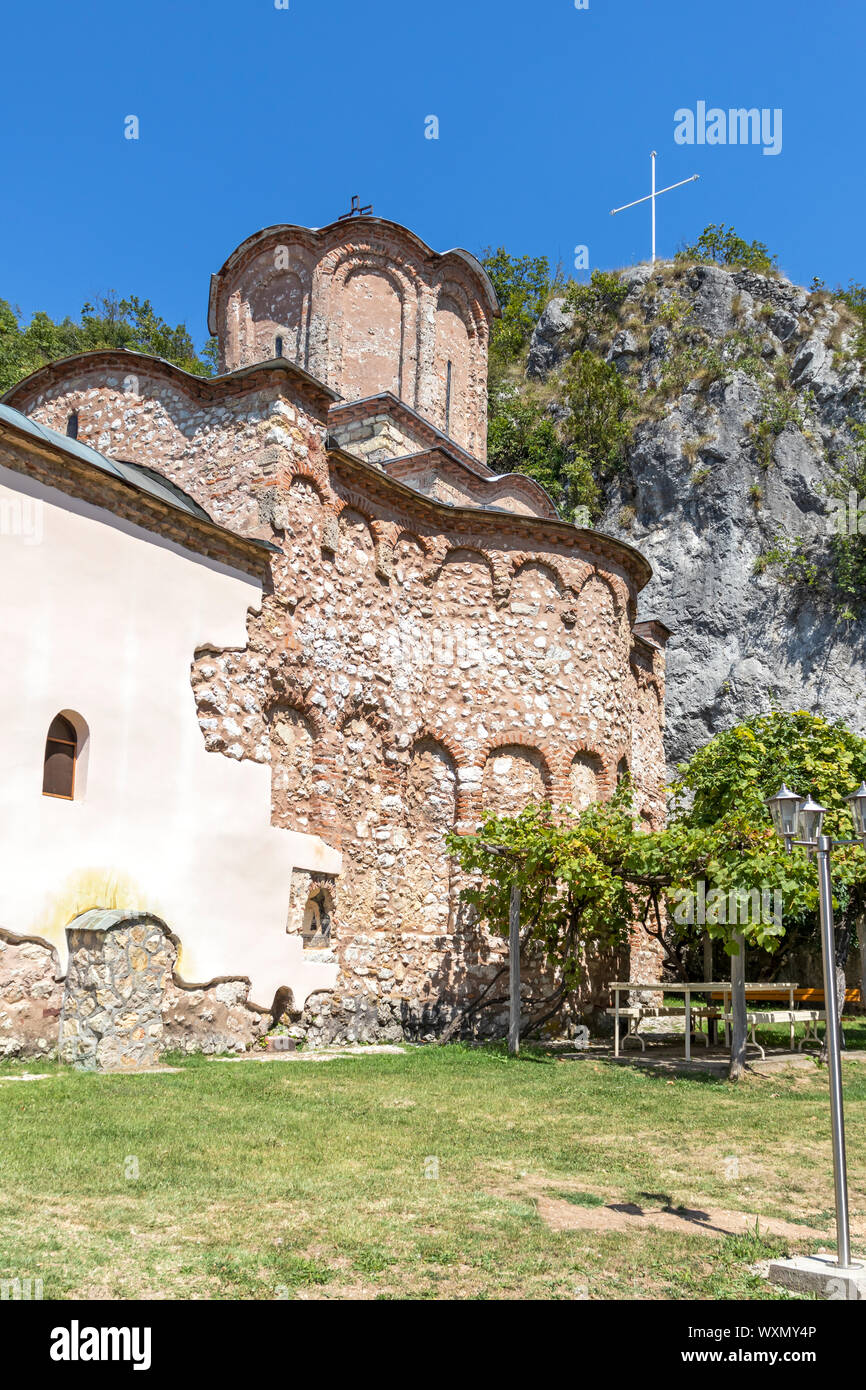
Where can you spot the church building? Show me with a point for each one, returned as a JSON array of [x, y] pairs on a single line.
[[268, 636]]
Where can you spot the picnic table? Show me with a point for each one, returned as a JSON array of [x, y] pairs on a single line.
[[636, 1013]]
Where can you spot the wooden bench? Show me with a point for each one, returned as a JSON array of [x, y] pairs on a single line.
[[801, 996]]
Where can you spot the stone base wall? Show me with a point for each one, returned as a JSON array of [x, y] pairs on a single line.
[[212, 1019], [31, 999], [112, 1002], [343, 1016]]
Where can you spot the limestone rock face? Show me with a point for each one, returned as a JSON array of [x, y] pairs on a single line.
[[549, 341], [703, 497]]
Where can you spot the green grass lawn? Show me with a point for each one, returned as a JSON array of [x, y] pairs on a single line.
[[305, 1179]]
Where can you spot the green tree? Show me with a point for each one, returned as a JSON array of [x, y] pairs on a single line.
[[524, 286], [720, 245], [600, 404], [595, 306], [573, 455], [586, 877], [571, 896], [108, 323], [523, 438], [854, 296], [848, 543]]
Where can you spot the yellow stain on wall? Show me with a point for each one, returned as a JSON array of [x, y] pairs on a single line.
[[84, 890]]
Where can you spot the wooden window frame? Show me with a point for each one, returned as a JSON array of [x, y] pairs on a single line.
[[61, 743]]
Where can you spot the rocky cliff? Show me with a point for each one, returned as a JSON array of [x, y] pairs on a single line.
[[748, 392]]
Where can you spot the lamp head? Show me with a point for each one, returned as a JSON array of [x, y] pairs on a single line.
[[784, 808], [810, 820], [857, 802]]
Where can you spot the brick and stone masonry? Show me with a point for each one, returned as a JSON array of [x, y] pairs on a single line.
[[433, 642]]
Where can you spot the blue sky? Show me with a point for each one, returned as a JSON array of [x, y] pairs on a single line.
[[250, 115]]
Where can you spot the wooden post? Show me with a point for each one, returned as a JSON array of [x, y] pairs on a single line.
[[514, 971], [738, 1009], [708, 975]]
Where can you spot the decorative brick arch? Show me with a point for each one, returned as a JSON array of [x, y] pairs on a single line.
[[347, 500], [420, 561], [378, 720], [447, 289], [334, 273], [605, 779], [287, 469], [311, 476], [439, 546], [446, 285], [468, 422], [507, 743], [295, 746], [520, 562], [468, 549], [255, 270], [427, 735], [618, 598], [343, 324], [519, 737], [575, 573], [276, 284], [436, 734], [331, 534], [406, 533], [622, 594], [360, 707], [384, 532], [646, 680], [360, 253], [286, 693]]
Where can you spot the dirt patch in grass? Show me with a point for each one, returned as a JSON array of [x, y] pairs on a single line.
[[561, 1215], [574, 1208]]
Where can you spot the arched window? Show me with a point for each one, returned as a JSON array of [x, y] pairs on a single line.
[[61, 752], [72, 426], [278, 347]]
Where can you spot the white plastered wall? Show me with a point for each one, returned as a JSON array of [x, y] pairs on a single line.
[[101, 618]]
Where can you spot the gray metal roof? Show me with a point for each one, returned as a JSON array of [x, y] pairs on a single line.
[[147, 479], [105, 919]]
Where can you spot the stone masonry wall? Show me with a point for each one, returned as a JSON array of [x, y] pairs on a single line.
[[214, 447], [403, 678], [31, 998]]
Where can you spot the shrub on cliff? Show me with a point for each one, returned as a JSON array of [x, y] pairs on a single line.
[[523, 438], [523, 285], [720, 245]]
